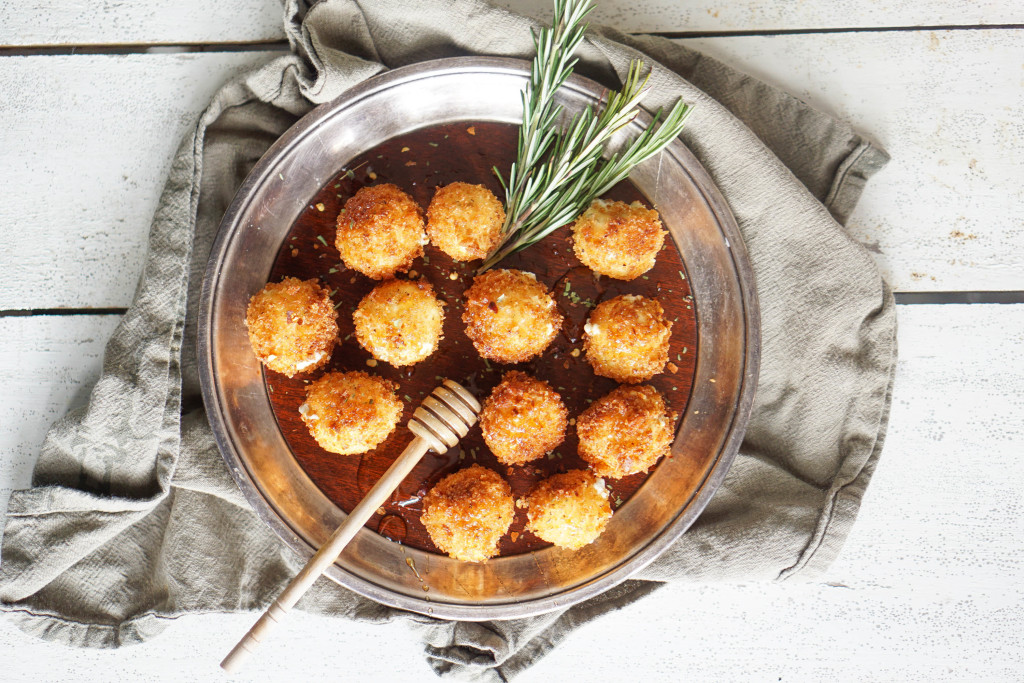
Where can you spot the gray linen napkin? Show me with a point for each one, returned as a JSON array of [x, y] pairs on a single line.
[[124, 526]]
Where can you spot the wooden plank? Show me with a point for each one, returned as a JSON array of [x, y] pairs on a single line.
[[76, 22], [947, 213], [930, 584], [80, 22], [946, 494], [659, 16], [84, 152]]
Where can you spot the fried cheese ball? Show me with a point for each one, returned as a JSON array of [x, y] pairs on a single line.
[[617, 239], [468, 512], [569, 510], [351, 412], [509, 316], [624, 432], [626, 338], [523, 419], [464, 221], [292, 326], [380, 231], [400, 321]]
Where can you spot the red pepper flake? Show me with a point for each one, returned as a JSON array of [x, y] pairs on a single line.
[[672, 367], [471, 130], [410, 163]]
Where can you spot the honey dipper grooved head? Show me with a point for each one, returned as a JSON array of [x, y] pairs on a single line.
[[445, 416]]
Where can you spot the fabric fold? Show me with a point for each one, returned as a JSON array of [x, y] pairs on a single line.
[[134, 520]]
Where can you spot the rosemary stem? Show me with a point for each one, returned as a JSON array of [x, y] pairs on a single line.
[[558, 172]]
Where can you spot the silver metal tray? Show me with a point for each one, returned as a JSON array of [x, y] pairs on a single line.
[[264, 209]]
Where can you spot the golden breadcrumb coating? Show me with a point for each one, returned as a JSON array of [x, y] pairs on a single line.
[[624, 432], [351, 412], [523, 419], [569, 510], [509, 316], [468, 512], [292, 326], [400, 321], [626, 338], [380, 231], [617, 239], [464, 221]]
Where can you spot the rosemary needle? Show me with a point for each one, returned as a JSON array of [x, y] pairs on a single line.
[[557, 173]]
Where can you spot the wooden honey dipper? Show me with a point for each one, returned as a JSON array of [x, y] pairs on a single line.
[[443, 418]]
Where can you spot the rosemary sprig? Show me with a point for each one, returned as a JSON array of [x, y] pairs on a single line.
[[557, 173]]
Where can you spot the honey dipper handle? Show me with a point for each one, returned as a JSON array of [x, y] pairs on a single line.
[[327, 554]]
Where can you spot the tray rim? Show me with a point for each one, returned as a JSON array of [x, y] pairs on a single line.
[[702, 494]]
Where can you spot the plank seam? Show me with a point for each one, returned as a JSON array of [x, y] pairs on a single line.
[[837, 29], [902, 298], [25, 312], [279, 45], [141, 48], [1002, 297]]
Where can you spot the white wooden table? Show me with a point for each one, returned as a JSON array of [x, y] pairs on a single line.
[[930, 585]]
